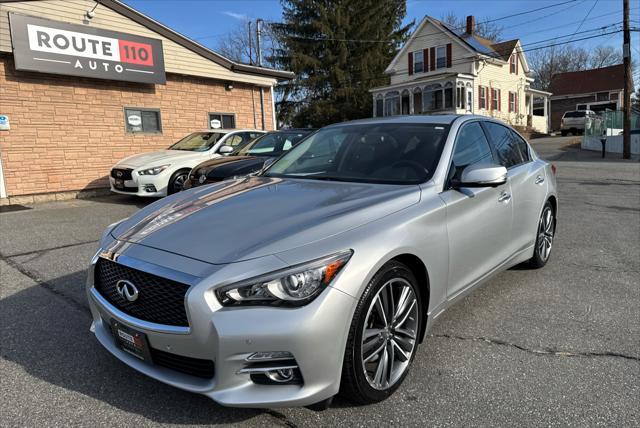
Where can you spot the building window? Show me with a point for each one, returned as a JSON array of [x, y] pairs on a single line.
[[460, 97], [142, 120], [392, 104], [483, 97], [495, 99], [379, 107], [513, 64], [581, 107], [418, 62], [602, 96], [441, 57], [222, 120], [448, 95], [513, 107], [432, 98], [417, 101], [613, 96]]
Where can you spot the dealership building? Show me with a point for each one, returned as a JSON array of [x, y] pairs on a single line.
[[85, 83]]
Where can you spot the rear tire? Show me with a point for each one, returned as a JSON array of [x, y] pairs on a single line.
[[177, 180], [383, 337], [544, 238]]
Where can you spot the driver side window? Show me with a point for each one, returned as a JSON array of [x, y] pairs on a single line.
[[471, 148]]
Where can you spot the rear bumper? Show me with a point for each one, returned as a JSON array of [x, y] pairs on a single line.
[[314, 334]]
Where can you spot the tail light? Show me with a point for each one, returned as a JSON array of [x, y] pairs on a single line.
[[553, 169]]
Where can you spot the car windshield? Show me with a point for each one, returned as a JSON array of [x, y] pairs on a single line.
[[273, 144], [575, 114], [393, 153], [198, 141]]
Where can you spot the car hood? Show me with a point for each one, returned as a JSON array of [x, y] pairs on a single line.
[[253, 217], [223, 161], [159, 158]]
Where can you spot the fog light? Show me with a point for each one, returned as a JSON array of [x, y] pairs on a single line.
[[282, 375], [150, 188]]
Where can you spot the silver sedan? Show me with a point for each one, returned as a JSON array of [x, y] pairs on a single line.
[[323, 273]]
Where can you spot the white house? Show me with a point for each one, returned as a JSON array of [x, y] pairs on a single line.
[[447, 70]]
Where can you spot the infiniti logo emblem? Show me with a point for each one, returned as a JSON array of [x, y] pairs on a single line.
[[119, 173], [127, 290]]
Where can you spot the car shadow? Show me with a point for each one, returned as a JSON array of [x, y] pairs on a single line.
[[45, 330]]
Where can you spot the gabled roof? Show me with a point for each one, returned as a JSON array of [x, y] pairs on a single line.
[[587, 81], [186, 42], [474, 43]]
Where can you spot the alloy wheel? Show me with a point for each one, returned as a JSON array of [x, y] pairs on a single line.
[[546, 231], [178, 182], [389, 334]]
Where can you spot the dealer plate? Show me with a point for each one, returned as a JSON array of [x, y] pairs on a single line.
[[131, 341]]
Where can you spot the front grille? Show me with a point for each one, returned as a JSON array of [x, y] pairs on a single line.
[[125, 173], [160, 300], [191, 366]]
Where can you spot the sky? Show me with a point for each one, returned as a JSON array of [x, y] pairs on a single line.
[[206, 20]]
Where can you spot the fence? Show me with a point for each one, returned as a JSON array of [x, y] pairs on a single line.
[[610, 124]]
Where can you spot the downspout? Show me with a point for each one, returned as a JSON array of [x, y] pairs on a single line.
[[262, 106], [273, 110], [253, 106]]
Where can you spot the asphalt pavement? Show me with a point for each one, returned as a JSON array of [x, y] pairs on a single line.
[[557, 346]]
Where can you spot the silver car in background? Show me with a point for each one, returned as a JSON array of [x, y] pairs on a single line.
[[325, 272]]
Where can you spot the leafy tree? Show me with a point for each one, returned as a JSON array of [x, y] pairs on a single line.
[[487, 30], [338, 50]]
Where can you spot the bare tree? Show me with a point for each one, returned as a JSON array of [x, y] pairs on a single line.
[[604, 56], [238, 44], [484, 29], [556, 59]]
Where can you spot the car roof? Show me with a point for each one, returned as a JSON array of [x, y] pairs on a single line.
[[227, 131], [440, 119]]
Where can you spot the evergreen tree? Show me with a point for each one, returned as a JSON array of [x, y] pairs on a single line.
[[338, 50]]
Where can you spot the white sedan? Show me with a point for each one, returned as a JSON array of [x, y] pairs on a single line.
[[164, 172]]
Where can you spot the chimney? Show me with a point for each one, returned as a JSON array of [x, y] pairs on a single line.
[[471, 24]]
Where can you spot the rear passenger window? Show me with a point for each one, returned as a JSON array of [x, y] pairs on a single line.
[[471, 148], [522, 146], [505, 145]]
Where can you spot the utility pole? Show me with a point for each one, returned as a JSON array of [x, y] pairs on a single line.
[[626, 53], [259, 55], [250, 43]]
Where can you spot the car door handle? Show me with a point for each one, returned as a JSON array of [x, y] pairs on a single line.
[[504, 197], [539, 179]]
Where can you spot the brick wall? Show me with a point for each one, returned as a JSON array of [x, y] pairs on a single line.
[[66, 132], [559, 107]]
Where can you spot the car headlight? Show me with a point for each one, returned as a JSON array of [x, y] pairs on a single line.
[[294, 286], [153, 171]]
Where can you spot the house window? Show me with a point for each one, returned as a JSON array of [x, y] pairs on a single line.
[[441, 57], [432, 98], [392, 104], [142, 120], [379, 107], [483, 97], [448, 95], [418, 62], [513, 108], [224, 120], [513, 64], [495, 99], [613, 96], [602, 96], [581, 107], [417, 101], [469, 98], [460, 97]]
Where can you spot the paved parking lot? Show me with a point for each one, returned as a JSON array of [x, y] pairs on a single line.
[[559, 346]]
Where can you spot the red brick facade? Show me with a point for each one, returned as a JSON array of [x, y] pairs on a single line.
[[67, 132]]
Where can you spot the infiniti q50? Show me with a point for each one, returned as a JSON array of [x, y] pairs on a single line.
[[323, 273]]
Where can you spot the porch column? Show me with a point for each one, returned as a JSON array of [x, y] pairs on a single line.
[[411, 101]]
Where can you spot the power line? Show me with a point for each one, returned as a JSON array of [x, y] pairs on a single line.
[[585, 17]]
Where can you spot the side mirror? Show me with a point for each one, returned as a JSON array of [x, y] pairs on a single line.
[[266, 165], [482, 175], [225, 150]]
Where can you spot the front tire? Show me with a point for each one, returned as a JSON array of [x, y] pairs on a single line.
[[544, 239], [177, 180], [383, 337]]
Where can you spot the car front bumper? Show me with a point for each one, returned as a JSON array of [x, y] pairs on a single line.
[[314, 334], [143, 185]]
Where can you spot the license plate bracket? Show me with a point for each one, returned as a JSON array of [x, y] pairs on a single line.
[[131, 341]]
